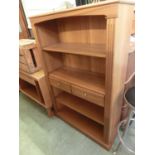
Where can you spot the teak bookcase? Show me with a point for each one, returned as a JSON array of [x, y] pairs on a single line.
[[85, 54]]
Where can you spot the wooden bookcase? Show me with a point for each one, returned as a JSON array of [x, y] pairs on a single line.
[[85, 52]]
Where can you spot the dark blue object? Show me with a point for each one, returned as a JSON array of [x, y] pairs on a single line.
[[130, 96]]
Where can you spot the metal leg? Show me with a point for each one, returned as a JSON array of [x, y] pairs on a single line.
[[128, 122], [131, 113]]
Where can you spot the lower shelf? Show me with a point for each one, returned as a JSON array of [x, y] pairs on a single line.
[[30, 91], [85, 125], [90, 110]]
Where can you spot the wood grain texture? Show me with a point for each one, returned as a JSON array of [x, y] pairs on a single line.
[[22, 59], [31, 92], [27, 78], [29, 58], [89, 95], [107, 8], [109, 69], [45, 92], [118, 48], [23, 23], [95, 50], [34, 76], [24, 67], [85, 125], [35, 86], [82, 29], [63, 85], [84, 63], [27, 43]]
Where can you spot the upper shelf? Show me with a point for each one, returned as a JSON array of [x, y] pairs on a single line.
[[96, 50]]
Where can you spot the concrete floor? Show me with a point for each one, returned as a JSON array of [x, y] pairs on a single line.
[[40, 135]]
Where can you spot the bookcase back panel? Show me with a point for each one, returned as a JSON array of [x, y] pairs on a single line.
[[86, 63], [82, 29], [47, 33], [53, 61]]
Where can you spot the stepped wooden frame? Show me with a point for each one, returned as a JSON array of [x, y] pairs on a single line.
[[85, 57], [28, 56], [35, 87]]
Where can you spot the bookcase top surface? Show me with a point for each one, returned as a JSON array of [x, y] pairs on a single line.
[[81, 8]]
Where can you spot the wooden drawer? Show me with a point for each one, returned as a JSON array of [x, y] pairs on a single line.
[[22, 59], [26, 78], [24, 67], [61, 85], [88, 95], [21, 52], [29, 55]]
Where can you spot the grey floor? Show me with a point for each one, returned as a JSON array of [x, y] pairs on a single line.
[[40, 135]]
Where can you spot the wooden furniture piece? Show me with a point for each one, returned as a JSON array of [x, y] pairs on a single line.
[[35, 87], [28, 56], [32, 79], [24, 32], [85, 54]]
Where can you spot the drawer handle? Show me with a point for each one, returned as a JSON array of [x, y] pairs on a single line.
[[85, 94]]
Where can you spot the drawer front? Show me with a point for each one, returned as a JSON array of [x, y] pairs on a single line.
[[26, 78], [88, 95], [22, 59], [61, 85], [24, 67]]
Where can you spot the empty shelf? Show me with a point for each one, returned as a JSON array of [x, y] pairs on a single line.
[[96, 50], [85, 125], [86, 108]]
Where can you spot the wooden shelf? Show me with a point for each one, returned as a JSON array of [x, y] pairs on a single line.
[[85, 125], [86, 108], [35, 76], [89, 80], [96, 50], [31, 92]]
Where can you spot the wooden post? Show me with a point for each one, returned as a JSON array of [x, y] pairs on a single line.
[[118, 36]]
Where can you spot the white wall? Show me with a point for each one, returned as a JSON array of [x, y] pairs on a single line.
[[35, 7]]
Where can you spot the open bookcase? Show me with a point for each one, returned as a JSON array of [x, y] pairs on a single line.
[[85, 52]]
